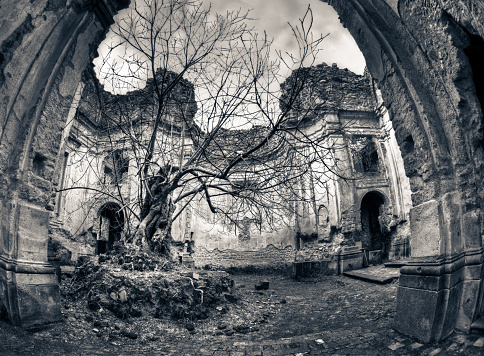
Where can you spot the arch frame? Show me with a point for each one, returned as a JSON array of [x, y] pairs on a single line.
[[408, 45], [40, 75]]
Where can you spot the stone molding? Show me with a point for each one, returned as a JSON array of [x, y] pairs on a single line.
[[18, 266]]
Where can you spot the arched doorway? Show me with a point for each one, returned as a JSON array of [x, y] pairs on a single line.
[[111, 224], [371, 210]]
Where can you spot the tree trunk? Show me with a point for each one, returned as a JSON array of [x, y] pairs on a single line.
[[154, 231]]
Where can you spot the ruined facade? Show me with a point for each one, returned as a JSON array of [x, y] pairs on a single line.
[[425, 56], [98, 198], [358, 195]]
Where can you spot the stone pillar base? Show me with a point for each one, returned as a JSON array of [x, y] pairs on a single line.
[[433, 295], [29, 293]]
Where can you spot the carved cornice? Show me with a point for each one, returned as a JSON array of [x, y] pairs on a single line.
[[440, 265], [18, 266]]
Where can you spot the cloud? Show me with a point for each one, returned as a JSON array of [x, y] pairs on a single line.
[[273, 17]]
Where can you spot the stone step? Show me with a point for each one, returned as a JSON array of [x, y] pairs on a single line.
[[395, 264], [368, 277], [376, 274], [477, 327]]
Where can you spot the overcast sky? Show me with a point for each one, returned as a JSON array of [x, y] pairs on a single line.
[[273, 16]]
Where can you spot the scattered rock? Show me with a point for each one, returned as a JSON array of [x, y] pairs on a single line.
[[479, 342], [242, 329], [129, 334], [395, 346], [415, 345], [283, 301], [231, 298], [264, 285], [123, 297]]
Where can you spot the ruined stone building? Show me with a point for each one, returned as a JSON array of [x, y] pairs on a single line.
[[358, 196], [424, 55], [98, 198]]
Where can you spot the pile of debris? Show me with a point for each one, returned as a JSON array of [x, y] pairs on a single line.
[[130, 283]]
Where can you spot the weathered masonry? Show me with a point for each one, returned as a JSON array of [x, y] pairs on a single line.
[[358, 196], [426, 57], [44, 47]]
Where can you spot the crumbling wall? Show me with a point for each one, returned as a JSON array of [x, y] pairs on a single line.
[[269, 258], [423, 55], [44, 47]]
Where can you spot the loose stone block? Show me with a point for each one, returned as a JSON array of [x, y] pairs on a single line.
[[39, 303], [417, 312]]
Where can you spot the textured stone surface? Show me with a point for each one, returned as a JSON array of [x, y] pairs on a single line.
[[425, 238], [44, 48], [425, 56]]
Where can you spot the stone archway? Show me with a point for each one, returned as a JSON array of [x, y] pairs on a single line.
[[111, 225], [423, 54], [371, 210]]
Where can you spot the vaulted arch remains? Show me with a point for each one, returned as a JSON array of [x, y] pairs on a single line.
[[423, 55]]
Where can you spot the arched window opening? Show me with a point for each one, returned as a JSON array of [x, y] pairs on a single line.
[[116, 166], [365, 155], [323, 216]]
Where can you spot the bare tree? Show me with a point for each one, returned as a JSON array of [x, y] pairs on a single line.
[[217, 117]]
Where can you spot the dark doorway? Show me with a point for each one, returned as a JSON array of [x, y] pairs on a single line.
[[371, 209], [111, 223]]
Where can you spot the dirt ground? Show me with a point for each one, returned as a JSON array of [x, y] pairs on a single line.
[[331, 315]]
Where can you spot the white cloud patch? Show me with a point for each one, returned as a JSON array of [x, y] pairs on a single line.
[[273, 16]]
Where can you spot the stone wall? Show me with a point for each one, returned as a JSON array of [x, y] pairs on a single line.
[[44, 48], [426, 57], [268, 258]]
